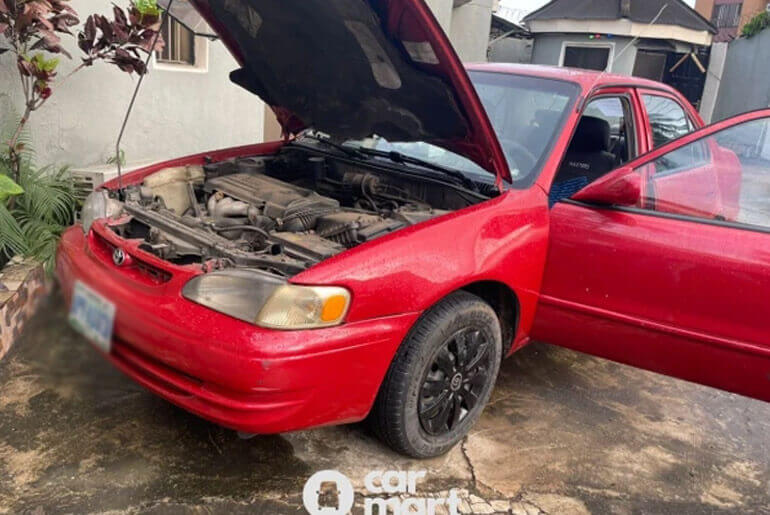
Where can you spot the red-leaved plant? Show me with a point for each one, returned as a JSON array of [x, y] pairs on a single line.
[[33, 28]]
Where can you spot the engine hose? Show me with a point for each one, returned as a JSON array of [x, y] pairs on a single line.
[[369, 178], [306, 218], [219, 228]]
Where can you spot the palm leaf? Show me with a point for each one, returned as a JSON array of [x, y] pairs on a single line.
[[49, 195], [42, 238], [12, 239], [39, 216]]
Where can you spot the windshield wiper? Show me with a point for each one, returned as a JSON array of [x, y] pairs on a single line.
[[348, 151], [398, 157]]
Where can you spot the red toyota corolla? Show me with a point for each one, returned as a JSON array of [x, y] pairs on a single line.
[[419, 223]]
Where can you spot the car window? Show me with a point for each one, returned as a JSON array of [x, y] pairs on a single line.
[[603, 140], [668, 119], [686, 158], [725, 176], [616, 111], [610, 109], [528, 114]]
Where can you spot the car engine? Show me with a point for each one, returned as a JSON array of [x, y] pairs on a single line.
[[280, 213]]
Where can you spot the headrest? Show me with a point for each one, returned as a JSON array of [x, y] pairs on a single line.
[[592, 135]]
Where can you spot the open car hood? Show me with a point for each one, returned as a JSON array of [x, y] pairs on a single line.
[[353, 68]]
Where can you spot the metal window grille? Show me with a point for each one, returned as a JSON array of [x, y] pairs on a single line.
[[727, 15], [180, 44]]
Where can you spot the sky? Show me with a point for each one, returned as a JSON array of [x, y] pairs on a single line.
[[523, 7]]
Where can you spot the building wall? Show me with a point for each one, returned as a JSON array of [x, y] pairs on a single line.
[[176, 113], [750, 9], [745, 84], [511, 50], [713, 80], [469, 31], [705, 8], [442, 10], [547, 49], [467, 25]]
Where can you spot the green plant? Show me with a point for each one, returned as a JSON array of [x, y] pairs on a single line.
[[43, 206], [37, 204], [32, 28], [8, 188], [45, 209], [756, 25]]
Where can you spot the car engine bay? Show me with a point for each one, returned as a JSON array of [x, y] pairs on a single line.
[[282, 213]]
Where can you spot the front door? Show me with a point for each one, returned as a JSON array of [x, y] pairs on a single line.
[[679, 283]]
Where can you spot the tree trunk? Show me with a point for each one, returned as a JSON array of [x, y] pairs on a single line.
[[13, 154]]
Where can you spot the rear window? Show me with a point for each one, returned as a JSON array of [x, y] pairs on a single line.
[[668, 119]]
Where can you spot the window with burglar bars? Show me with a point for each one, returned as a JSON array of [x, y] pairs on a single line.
[[180, 44], [727, 15]]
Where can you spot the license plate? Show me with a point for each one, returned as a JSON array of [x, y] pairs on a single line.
[[93, 316]]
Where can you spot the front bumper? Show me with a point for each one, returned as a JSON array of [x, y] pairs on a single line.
[[222, 369]]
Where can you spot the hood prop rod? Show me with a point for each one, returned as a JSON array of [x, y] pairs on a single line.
[[133, 98]]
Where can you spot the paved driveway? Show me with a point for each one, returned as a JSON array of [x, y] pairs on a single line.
[[565, 433]]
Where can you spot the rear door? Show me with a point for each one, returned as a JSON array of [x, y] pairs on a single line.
[[668, 119], [667, 285]]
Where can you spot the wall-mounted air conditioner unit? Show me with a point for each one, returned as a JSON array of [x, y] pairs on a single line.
[[89, 178]]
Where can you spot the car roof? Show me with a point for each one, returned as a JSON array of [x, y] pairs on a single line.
[[587, 79]]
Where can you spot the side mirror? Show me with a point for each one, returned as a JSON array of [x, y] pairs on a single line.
[[623, 187]]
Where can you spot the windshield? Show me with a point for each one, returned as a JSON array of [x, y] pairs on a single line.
[[527, 114]]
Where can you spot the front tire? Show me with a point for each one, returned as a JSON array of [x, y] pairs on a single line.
[[441, 378]]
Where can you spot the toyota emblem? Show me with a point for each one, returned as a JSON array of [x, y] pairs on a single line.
[[118, 257]]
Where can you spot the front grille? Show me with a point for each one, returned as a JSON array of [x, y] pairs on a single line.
[[139, 269]]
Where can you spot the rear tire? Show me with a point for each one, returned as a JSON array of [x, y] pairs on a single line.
[[441, 378]]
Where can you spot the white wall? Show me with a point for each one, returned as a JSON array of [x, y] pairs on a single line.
[[177, 112], [713, 80], [442, 10], [511, 50], [468, 26], [548, 50]]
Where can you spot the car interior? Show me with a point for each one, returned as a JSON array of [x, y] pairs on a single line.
[[600, 144]]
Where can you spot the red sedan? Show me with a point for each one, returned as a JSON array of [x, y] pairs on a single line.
[[418, 223]]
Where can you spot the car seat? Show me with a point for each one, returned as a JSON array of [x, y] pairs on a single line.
[[588, 158]]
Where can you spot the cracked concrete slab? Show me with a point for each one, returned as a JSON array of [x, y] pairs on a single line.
[[564, 433]]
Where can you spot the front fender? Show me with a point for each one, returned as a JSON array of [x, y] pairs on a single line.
[[504, 239]]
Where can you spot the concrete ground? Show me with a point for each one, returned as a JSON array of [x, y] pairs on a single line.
[[564, 433]]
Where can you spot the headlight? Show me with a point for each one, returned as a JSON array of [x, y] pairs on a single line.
[[268, 301], [238, 293], [304, 307], [98, 205]]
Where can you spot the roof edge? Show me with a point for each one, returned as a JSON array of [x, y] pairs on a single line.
[[711, 28]]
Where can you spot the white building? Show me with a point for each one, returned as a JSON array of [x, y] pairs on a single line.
[[184, 107], [187, 103]]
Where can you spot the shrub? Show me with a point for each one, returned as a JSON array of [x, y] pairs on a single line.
[[33, 28], [44, 205], [36, 204], [756, 25]]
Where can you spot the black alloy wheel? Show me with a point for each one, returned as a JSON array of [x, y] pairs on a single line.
[[441, 377], [455, 381]]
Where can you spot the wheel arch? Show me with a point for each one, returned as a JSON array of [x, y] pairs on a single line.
[[504, 302]]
